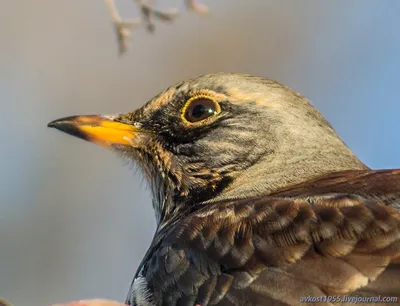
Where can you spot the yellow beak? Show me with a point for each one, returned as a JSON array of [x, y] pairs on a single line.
[[98, 129]]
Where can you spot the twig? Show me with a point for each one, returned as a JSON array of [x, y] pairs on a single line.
[[93, 302], [123, 28], [197, 7], [148, 12]]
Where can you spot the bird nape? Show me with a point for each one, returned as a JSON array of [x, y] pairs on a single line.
[[257, 199]]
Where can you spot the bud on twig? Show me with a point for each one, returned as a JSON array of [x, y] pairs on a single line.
[[123, 27]]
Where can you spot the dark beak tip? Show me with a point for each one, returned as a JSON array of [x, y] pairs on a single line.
[[52, 123], [61, 121]]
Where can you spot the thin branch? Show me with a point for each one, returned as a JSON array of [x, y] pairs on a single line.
[[93, 302], [122, 28], [196, 7], [148, 12]]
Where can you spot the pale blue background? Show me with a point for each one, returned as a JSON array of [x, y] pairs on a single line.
[[74, 222]]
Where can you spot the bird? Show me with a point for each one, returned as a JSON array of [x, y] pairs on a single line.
[[257, 199]]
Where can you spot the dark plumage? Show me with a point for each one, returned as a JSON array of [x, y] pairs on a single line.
[[257, 200]]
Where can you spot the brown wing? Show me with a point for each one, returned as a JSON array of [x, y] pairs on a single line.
[[299, 244], [381, 184]]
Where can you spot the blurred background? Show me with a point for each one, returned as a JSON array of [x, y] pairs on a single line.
[[74, 221]]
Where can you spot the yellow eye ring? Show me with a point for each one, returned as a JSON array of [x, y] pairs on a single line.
[[199, 109]]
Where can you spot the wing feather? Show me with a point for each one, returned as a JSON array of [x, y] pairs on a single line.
[[336, 235]]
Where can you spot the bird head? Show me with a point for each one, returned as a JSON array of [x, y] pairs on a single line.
[[219, 136]]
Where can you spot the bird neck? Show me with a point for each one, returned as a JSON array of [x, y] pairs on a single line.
[[291, 165]]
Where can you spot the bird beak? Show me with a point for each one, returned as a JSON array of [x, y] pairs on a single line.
[[100, 130]]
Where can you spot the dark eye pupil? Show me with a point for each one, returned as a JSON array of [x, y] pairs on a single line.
[[200, 109]]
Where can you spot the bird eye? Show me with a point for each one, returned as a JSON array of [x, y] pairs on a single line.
[[199, 109]]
